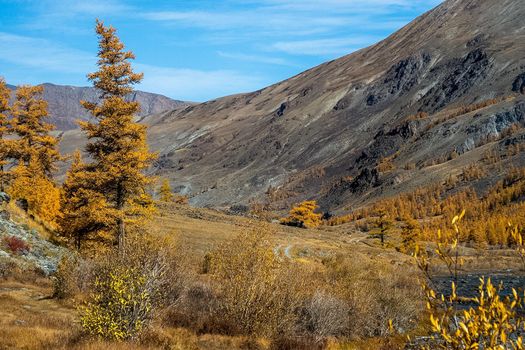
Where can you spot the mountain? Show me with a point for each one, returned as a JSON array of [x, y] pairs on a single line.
[[65, 109], [435, 97]]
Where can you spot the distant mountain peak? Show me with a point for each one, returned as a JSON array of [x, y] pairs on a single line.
[[65, 109]]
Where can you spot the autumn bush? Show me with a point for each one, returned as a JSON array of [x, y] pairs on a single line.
[[16, 245], [129, 287], [325, 315], [375, 294], [74, 277], [490, 321], [256, 294], [303, 215]]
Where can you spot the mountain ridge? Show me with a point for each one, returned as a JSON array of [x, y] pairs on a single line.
[[64, 107], [324, 133]]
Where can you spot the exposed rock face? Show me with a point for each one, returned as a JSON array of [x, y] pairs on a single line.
[[65, 109], [313, 132], [459, 76], [519, 84], [42, 254]]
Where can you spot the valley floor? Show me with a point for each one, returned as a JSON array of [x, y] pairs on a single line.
[[31, 319]]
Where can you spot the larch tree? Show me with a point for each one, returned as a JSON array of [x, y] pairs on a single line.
[[165, 194], [33, 139], [5, 93], [117, 144], [35, 153], [303, 215], [86, 214]]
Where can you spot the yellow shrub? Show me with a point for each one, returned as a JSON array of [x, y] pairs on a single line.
[[120, 306], [303, 215]]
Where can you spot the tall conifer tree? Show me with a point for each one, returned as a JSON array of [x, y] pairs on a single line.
[[34, 143], [117, 144]]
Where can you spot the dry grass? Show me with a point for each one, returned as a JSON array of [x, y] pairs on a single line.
[[372, 283]]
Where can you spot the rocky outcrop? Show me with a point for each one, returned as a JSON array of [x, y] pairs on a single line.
[[40, 254], [456, 77], [519, 83]]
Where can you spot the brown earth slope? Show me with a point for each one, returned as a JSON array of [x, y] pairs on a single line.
[[323, 133]]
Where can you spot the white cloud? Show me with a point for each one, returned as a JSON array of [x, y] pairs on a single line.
[[43, 54], [197, 85], [179, 83], [255, 58], [323, 47]]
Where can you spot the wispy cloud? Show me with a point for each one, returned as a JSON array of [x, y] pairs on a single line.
[[255, 58], [43, 54], [180, 83], [54, 39], [323, 46], [197, 85]]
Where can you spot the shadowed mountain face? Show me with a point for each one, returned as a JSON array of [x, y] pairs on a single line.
[[327, 133], [65, 109]]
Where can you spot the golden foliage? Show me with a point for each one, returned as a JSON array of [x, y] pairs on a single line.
[[117, 144], [41, 194], [87, 215], [485, 223], [120, 305], [303, 215], [34, 142], [165, 193], [493, 322], [129, 286], [5, 145], [257, 297]]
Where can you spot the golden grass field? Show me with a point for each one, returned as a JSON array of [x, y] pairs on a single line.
[[31, 319]]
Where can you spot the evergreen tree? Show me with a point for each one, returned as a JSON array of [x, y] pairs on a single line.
[[34, 142], [4, 131], [117, 144], [165, 193]]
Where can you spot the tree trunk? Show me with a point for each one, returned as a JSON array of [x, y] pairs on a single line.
[[121, 231], [120, 234]]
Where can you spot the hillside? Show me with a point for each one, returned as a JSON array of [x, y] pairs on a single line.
[[64, 108], [323, 133]]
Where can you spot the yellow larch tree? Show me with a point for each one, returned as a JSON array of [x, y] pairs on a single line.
[[35, 153], [303, 215], [41, 195], [86, 214], [165, 194], [5, 93], [34, 141], [117, 144]]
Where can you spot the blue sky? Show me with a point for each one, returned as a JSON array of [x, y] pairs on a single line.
[[193, 49]]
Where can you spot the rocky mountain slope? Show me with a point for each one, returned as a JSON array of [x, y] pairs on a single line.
[[436, 96], [64, 108]]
